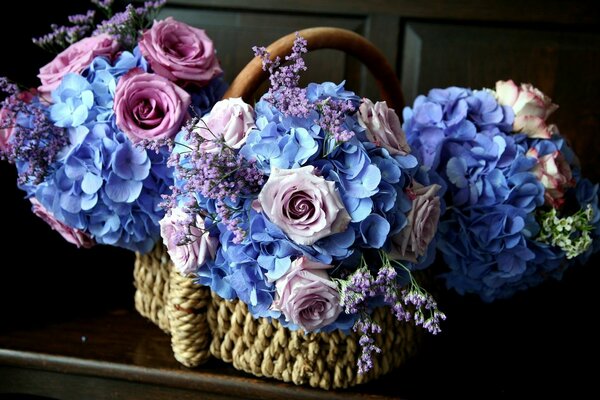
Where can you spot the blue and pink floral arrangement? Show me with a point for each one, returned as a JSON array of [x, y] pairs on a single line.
[[517, 209], [118, 83], [308, 207]]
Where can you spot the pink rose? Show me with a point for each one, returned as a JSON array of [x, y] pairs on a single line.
[[531, 107], [187, 257], [75, 58], [148, 106], [307, 296], [421, 226], [229, 121], [7, 120], [305, 206], [554, 172], [180, 52], [383, 127], [71, 235]]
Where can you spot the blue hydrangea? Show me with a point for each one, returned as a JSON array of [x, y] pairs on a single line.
[[107, 187], [488, 235], [88, 97], [371, 183], [101, 183], [73, 102]]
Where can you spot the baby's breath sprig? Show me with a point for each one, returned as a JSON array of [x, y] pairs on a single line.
[[571, 233]]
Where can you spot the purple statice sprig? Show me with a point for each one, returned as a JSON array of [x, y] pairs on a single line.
[[35, 140], [7, 87], [61, 37], [105, 6], [284, 92], [187, 230], [292, 101], [86, 19], [361, 288], [332, 114], [127, 26], [220, 175], [156, 145]]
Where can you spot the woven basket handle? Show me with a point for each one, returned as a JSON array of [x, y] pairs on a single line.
[[251, 77]]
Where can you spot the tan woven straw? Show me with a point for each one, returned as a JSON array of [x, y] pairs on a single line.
[[201, 324]]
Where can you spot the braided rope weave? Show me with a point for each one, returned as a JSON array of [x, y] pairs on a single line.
[[200, 326], [175, 304], [324, 360], [151, 279]]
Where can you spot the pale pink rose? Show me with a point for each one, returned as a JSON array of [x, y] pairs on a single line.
[[383, 127], [71, 235], [531, 107], [422, 221], [229, 121], [7, 119], [180, 52], [307, 296], [305, 206], [555, 174], [75, 58], [148, 106], [187, 257]]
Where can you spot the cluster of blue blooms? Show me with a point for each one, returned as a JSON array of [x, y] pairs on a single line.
[[371, 183], [489, 234], [100, 182]]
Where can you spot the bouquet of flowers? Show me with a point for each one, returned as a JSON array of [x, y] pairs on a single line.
[[518, 210], [309, 208], [77, 140]]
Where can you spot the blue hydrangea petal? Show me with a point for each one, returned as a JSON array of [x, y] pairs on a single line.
[[120, 190], [374, 231], [91, 183], [70, 202]]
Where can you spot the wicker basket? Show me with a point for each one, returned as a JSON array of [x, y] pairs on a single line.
[[202, 324]]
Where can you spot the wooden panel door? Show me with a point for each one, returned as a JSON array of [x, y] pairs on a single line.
[[235, 32]]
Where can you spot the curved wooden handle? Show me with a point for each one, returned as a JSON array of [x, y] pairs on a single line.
[[251, 77]]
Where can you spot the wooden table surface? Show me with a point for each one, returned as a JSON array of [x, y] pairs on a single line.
[[120, 355]]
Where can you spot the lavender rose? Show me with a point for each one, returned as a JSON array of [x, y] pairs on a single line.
[[148, 106], [531, 107], [305, 206], [180, 52], [188, 256], [229, 121], [383, 126], [412, 241], [306, 295], [71, 235], [75, 58]]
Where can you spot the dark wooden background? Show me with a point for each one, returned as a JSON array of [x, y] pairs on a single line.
[[541, 340]]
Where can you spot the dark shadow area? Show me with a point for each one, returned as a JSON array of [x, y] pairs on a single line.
[[44, 277]]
